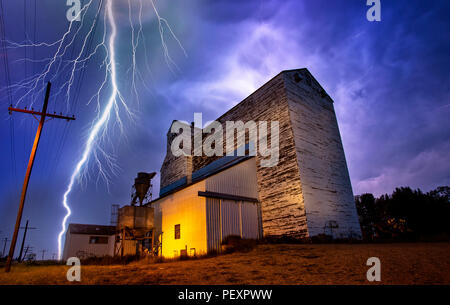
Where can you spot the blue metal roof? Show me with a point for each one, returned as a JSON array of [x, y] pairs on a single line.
[[174, 185]]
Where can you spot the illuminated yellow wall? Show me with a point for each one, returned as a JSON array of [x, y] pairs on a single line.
[[188, 210]]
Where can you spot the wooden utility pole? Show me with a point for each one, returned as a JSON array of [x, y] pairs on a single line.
[[43, 115], [23, 240], [28, 248], [123, 242], [5, 240]]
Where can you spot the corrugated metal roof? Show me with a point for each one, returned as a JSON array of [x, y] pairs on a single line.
[[76, 228]]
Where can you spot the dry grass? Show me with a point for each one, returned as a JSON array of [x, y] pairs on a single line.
[[411, 263]]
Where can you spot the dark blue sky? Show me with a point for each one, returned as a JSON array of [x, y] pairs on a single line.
[[389, 80]]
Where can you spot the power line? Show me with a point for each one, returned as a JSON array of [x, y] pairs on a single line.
[[5, 52], [34, 49], [26, 35], [78, 86], [55, 108], [13, 152], [8, 91]]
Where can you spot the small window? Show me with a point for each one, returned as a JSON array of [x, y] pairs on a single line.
[[177, 231], [98, 240]]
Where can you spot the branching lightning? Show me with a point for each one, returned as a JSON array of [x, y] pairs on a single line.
[[56, 67]]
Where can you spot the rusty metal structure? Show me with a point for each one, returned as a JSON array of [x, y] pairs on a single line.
[[135, 234], [142, 188]]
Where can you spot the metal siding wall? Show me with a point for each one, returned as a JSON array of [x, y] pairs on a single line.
[[239, 180], [230, 218], [250, 223], [223, 218], [227, 217], [213, 224]]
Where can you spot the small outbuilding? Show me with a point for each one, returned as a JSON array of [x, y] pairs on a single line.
[[84, 240]]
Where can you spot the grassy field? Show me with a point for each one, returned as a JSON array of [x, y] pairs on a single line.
[[408, 263]]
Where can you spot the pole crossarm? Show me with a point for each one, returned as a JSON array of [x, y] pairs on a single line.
[[56, 116]]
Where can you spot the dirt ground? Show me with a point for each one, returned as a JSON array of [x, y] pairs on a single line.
[[402, 263]]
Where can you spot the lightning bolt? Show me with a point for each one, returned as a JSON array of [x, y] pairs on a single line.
[[115, 94], [56, 67], [102, 120]]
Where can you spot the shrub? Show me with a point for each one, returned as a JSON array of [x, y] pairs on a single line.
[[236, 244], [109, 260]]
